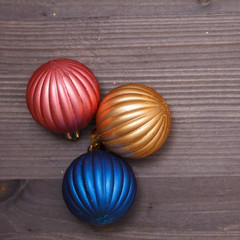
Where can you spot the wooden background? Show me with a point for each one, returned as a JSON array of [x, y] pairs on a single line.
[[189, 51]]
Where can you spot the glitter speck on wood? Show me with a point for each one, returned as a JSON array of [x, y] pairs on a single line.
[[3, 187], [204, 2]]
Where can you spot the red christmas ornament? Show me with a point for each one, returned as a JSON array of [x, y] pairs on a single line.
[[63, 96]]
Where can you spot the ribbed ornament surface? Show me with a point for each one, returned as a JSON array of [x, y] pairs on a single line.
[[133, 121], [99, 187], [63, 95]]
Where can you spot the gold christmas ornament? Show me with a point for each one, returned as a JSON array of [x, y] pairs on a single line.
[[133, 121]]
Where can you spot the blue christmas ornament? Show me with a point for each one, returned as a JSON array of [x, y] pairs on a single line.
[[99, 187]]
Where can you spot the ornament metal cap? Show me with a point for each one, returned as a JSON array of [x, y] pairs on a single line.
[[96, 143], [73, 135]]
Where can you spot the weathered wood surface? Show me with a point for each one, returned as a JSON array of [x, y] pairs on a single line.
[[165, 208], [188, 52], [28, 9], [192, 61]]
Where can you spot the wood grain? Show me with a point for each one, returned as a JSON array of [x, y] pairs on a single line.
[[164, 209], [189, 52], [192, 61], [28, 9]]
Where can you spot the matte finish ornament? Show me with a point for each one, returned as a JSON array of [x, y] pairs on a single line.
[[63, 96], [133, 120], [99, 187]]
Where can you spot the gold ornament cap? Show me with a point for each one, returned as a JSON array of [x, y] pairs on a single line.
[[133, 121], [95, 141], [73, 135]]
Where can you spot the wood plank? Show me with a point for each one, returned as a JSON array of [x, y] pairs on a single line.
[[165, 208], [60, 9], [69, 236], [193, 61], [152, 236]]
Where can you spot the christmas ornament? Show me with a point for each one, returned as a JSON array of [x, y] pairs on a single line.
[[63, 96], [133, 121], [99, 187]]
